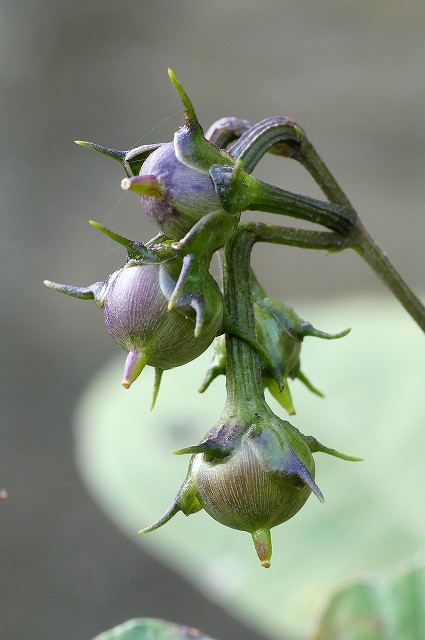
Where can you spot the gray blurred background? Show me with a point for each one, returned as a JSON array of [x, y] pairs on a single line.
[[352, 73]]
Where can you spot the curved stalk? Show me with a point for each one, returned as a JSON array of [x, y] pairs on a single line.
[[284, 137]]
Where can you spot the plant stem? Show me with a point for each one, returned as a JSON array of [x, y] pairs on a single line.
[[243, 372], [378, 261], [310, 159], [363, 244], [302, 238], [272, 199], [361, 241], [284, 137]]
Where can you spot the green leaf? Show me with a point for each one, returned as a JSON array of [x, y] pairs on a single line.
[[387, 606], [151, 629], [374, 514]]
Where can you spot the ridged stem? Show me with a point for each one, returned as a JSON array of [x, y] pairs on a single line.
[[359, 239], [303, 238], [243, 372], [272, 199], [310, 159], [364, 245], [367, 248]]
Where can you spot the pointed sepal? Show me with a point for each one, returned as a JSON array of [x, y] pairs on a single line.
[[111, 153], [131, 159], [315, 446], [303, 474], [306, 382], [135, 250], [210, 375], [283, 396], [186, 501], [134, 158], [189, 111], [291, 322], [191, 147], [309, 330], [156, 385], [92, 292], [212, 448], [191, 290], [217, 366], [171, 511], [177, 291]]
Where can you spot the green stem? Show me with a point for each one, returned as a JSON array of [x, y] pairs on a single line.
[[361, 241], [302, 238], [365, 247], [278, 135], [243, 372], [272, 199], [378, 261], [284, 137], [310, 159]]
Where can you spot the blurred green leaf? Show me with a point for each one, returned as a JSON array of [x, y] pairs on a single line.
[[390, 606], [374, 514], [151, 629]]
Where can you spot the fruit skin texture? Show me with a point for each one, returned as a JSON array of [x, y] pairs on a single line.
[[257, 485], [137, 317], [188, 194]]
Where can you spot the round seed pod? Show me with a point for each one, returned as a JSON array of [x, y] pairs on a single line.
[[263, 481], [187, 194], [251, 473], [137, 318]]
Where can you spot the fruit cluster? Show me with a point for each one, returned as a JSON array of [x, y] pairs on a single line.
[[252, 470]]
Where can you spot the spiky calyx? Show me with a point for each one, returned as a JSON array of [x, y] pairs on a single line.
[[138, 319], [252, 473], [163, 309]]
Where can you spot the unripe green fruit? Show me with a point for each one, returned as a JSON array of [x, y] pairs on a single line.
[[160, 323], [137, 318], [252, 472], [187, 193], [242, 493]]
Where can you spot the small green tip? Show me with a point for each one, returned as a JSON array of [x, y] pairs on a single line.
[[317, 447], [171, 511], [156, 385], [171, 75], [111, 153], [263, 545], [191, 118]]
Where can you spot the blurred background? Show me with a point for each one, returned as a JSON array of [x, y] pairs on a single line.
[[351, 73]]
